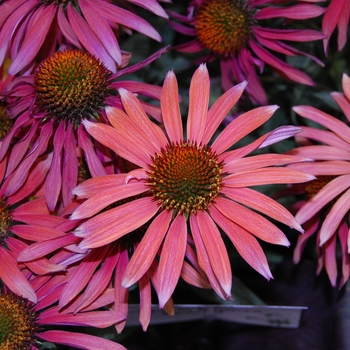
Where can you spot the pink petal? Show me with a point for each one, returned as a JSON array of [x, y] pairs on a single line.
[[335, 216], [82, 275], [299, 11], [216, 250], [88, 38], [100, 280], [260, 161], [171, 258], [13, 278], [145, 302], [170, 108], [147, 249], [250, 221], [242, 126], [330, 260], [101, 229], [204, 261], [245, 243], [283, 68], [220, 109], [79, 340], [267, 176], [102, 29], [94, 185], [36, 31], [198, 104], [118, 142], [262, 203], [324, 119], [105, 198], [149, 130], [127, 19], [8, 28], [41, 249], [324, 196]]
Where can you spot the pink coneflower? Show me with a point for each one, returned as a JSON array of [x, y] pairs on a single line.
[[25, 325], [236, 31], [186, 181], [325, 211], [48, 108], [337, 15], [32, 30]]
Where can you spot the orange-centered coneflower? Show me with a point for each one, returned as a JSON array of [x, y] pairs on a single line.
[[185, 177], [224, 26], [17, 322], [72, 85]]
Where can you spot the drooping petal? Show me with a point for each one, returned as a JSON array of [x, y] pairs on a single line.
[[324, 196], [216, 250], [262, 203], [245, 243], [147, 249], [36, 31], [171, 259], [13, 278], [250, 221], [335, 216]]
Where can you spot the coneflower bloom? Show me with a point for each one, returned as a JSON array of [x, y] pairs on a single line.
[[336, 16], [32, 30], [25, 325], [325, 210], [48, 108], [189, 188], [237, 32]]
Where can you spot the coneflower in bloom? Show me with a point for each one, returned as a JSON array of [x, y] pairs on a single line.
[[25, 325], [325, 210], [48, 108], [32, 30], [336, 16], [237, 32], [189, 188]]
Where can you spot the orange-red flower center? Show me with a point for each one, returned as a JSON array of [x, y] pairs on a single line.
[[313, 187], [72, 85], [17, 323], [5, 220], [5, 122], [185, 177], [224, 26]]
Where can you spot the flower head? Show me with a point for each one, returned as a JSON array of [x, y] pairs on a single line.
[[325, 210], [236, 31], [23, 324], [48, 108], [31, 30], [189, 188]]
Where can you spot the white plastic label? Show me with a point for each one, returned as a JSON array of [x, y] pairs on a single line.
[[272, 316]]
